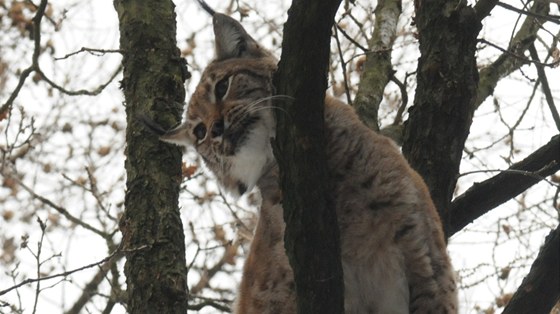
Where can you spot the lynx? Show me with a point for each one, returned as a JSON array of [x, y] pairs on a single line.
[[393, 251]]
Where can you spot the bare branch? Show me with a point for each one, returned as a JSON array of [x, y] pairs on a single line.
[[92, 92], [518, 56], [483, 8], [35, 58], [505, 64], [210, 303], [484, 196], [93, 51], [342, 66], [547, 17], [59, 209], [34, 67], [116, 253]]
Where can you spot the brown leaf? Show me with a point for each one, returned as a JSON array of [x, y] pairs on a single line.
[[104, 151], [188, 171], [3, 114], [8, 214]]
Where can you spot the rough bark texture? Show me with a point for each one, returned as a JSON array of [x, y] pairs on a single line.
[[152, 230], [540, 290], [312, 237], [377, 67], [447, 76], [484, 196]]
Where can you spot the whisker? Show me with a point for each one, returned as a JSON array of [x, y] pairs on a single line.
[[253, 107]]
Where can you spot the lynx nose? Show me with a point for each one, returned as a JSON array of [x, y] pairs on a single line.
[[217, 128]]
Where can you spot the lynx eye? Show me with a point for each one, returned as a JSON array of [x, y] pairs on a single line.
[[221, 88], [199, 131]]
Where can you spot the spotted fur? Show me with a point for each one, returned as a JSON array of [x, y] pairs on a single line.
[[393, 252]]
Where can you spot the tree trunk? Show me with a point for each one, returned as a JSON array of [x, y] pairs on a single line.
[[440, 119], [153, 238], [312, 237], [540, 290]]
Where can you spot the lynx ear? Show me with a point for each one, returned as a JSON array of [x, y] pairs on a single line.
[[179, 136], [232, 41]]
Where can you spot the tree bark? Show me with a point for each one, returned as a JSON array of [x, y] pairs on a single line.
[[540, 290], [153, 238], [447, 77], [312, 236]]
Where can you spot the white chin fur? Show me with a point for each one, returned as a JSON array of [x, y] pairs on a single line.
[[250, 161]]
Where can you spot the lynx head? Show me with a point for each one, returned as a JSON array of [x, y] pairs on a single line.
[[229, 119]]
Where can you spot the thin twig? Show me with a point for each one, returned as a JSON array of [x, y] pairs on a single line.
[[93, 51], [545, 86], [352, 40], [38, 261], [86, 92], [484, 41], [63, 274], [404, 97], [59, 209], [343, 66], [550, 18]]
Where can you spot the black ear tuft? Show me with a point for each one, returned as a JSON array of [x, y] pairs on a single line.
[[206, 7], [150, 124], [241, 188]]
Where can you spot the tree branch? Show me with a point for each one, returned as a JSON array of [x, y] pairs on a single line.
[[93, 51], [484, 196], [34, 59], [505, 64], [540, 289], [35, 67], [93, 92], [377, 67], [63, 211], [483, 8]]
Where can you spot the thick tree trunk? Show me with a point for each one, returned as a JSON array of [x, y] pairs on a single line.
[[440, 119], [312, 237], [152, 231]]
